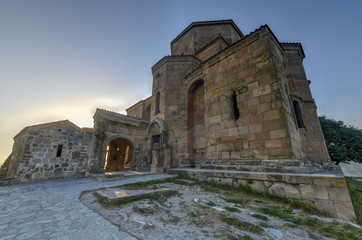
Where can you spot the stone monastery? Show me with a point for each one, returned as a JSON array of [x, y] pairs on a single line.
[[222, 100], [224, 107]]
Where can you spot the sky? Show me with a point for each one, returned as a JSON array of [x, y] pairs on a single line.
[[63, 59]]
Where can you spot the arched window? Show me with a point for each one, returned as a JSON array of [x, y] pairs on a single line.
[[157, 109], [234, 104], [298, 114]]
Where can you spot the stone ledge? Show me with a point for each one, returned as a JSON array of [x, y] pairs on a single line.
[[117, 193], [327, 192]]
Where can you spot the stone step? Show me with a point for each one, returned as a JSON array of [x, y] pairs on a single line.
[[113, 176], [261, 168], [106, 177]]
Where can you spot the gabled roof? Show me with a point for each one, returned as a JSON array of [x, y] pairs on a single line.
[[118, 117], [205, 23], [67, 122]]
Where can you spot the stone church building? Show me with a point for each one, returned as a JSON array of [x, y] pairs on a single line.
[[221, 100]]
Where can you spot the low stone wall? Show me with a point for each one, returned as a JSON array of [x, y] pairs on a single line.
[[326, 192]]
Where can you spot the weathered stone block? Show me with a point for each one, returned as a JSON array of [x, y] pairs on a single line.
[[338, 182], [298, 179], [273, 143], [48, 174], [38, 175], [321, 181], [314, 192], [285, 190], [345, 210], [339, 194], [326, 206]]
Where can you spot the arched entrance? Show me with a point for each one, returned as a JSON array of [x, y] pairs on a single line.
[[196, 122], [119, 155]]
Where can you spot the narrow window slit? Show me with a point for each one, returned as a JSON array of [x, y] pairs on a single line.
[[59, 151], [235, 109], [298, 114]]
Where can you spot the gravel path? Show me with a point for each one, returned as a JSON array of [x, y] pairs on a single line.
[[52, 210]]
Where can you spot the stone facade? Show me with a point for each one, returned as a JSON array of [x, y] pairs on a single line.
[[222, 100], [46, 151]]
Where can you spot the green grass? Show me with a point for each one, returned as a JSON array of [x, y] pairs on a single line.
[[100, 198], [231, 209], [144, 211], [245, 226], [355, 191], [211, 203], [261, 217], [242, 202], [174, 219], [230, 189]]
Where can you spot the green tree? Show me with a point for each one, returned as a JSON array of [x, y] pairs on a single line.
[[344, 143]]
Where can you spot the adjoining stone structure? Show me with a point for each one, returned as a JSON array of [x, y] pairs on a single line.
[[51, 150], [222, 100]]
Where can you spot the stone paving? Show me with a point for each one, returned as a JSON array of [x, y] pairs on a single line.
[[52, 210]]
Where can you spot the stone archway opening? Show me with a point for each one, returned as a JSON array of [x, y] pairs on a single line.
[[196, 122], [119, 155]]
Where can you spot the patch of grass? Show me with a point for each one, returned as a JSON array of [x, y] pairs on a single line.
[[355, 191], [242, 202], [181, 182], [246, 237], [174, 219], [144, 211], [245, 226], [100, 198], [334, 230], [261, 217], [338, 230], [284, 213], [231, 209], [215, 187], [211, 203], [312, 236]]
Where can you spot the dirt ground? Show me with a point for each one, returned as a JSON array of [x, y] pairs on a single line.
[[198, 214]]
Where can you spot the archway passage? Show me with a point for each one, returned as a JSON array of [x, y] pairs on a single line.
[[118, 156], [196, 122]]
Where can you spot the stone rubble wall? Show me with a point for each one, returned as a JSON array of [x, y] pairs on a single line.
[[327, 192], [34, 155]]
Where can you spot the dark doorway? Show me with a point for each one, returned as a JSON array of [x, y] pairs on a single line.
[[119, 155]]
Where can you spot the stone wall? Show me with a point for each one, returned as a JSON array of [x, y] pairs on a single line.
[[109, 126], [247, 70], [328, 193], [197, 35], [48, 151], [310, 135]]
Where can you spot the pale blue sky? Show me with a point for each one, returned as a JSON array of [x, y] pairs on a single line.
[[63, 59]]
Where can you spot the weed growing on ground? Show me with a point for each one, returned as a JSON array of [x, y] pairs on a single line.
[[355, 191], [261, 217], [245, 226], [211, 203], [174, 219], [231, 209], [144, 211], [100, 198]]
